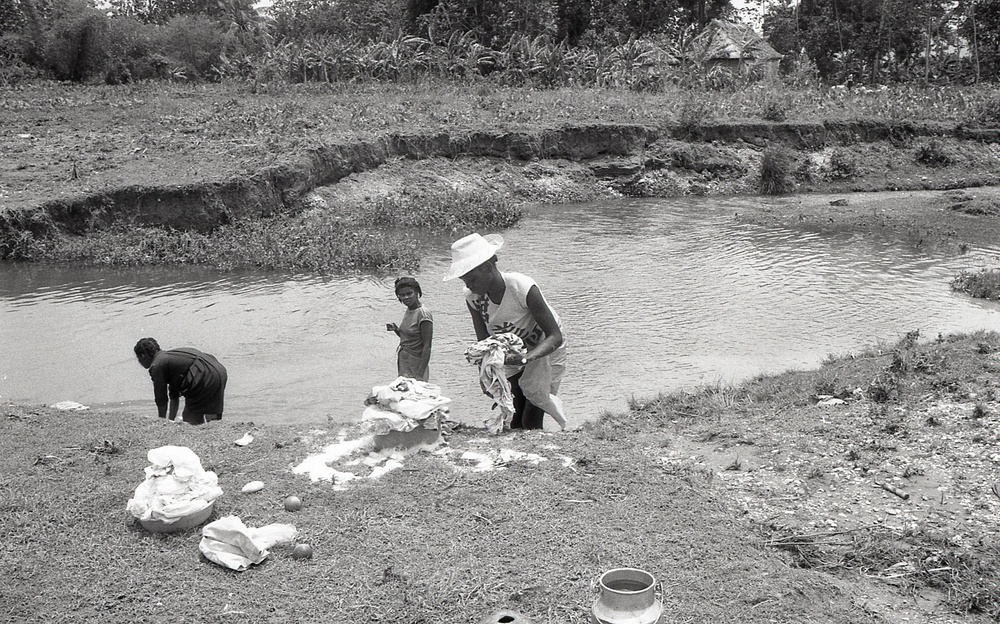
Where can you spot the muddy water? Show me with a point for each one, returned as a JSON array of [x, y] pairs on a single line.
[[655, 295]]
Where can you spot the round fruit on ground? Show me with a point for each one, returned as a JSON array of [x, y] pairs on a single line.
[[302, 551]]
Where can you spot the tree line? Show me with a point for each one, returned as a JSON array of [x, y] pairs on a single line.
[[635, 44]]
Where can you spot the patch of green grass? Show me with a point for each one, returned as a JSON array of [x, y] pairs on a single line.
[[376, 236], [777, 166], [442, 211], [984, 284], [933, 153], [283, 243], [985, 111], [705, 402], [429, 542]]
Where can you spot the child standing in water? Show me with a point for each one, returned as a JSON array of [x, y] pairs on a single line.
[[415, 332]]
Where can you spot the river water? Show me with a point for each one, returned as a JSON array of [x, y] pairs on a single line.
[[655, 295]]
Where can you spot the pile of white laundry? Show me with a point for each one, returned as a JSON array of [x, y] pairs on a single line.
[[405, 405]]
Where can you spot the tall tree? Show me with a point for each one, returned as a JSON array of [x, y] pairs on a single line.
[[980, 25], [865, 40], [161, 11]]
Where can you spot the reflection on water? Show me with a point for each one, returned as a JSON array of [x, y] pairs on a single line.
[[655, 295]]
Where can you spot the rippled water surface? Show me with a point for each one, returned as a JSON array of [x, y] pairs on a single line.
[[655, 295]]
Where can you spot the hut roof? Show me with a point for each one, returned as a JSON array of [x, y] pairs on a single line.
[[726, 40]]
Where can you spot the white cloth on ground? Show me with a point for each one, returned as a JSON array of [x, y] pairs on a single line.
[[230, 543]]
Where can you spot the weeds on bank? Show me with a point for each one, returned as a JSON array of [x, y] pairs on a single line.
[[882, 374], [910, 559], [843, 164], [984, 284], [377, 236], [282, 243], [444, 211], [776, 171], [933, 153]]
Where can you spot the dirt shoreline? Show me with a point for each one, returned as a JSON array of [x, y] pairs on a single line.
[[568, 163]]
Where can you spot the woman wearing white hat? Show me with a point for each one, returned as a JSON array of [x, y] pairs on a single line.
[[512, 303]]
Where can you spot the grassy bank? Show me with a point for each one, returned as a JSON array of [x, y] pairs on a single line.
[[382, 234], [110, 160], [983, 284], [754, 503]]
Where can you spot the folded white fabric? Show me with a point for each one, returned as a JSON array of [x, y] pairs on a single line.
[[404, 405], [230, 543]]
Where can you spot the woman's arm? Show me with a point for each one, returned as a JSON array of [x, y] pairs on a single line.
[[478, 323], [175, 401], [159, 378], [426, 335], [542, 314]]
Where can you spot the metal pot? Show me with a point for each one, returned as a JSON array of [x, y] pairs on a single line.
[[627, 596]]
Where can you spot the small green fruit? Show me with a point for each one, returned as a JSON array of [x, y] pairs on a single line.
[[302, 551]]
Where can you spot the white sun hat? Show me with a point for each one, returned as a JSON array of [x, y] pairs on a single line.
[[470, 251]]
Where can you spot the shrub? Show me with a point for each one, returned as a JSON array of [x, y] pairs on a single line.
[[800, 71], [694, 111], [13, 66], [984, 284], [774, 109], [934, 154], [986, 112], [76, 42], [776, 171], [842, 164], [193, 44], [131, 48]]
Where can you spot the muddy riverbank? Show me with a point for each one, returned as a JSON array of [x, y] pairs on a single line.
[[84, 160]]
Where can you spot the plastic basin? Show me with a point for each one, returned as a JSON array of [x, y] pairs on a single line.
[[186, 522]]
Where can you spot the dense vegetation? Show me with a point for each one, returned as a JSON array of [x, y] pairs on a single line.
[[380, 235], [543, 43]]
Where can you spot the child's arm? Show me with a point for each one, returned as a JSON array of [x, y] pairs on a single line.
[[426, 336]]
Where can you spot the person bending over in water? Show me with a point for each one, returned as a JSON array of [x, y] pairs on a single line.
[[188, 373], [415, 332], [513, 303]]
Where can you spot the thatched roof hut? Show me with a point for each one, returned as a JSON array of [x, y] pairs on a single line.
[[733, 46]]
